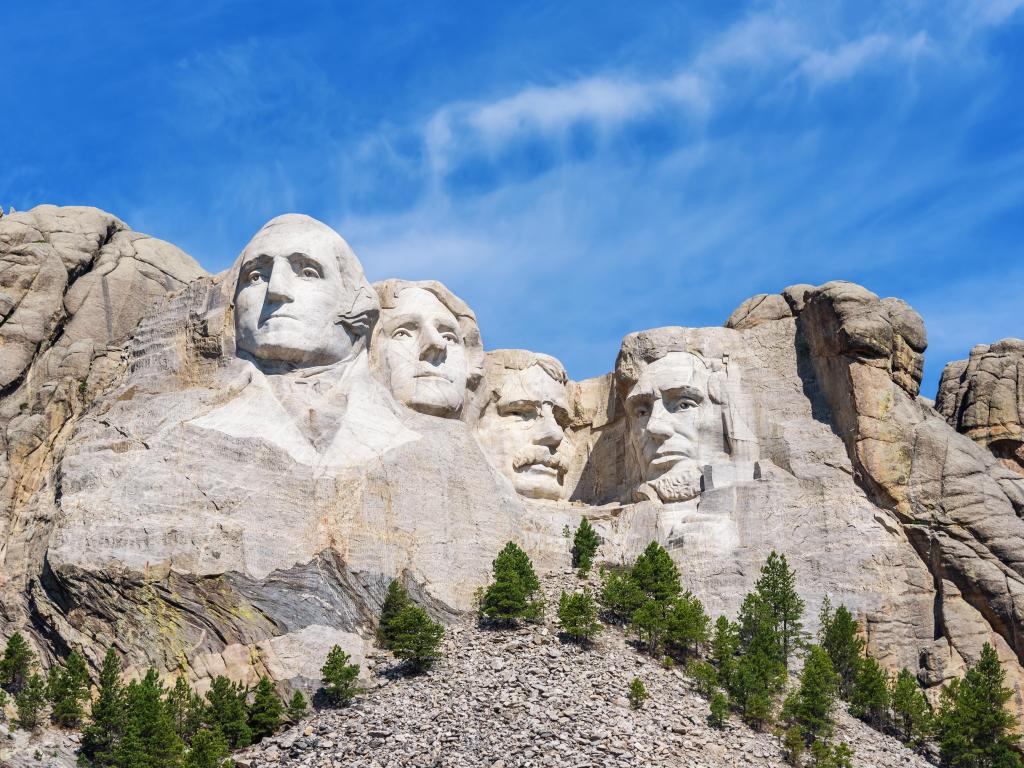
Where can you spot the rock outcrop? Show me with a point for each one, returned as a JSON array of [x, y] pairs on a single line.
[[193, 476], [983, 398]]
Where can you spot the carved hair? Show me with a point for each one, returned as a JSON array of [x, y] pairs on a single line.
[[389, 291]]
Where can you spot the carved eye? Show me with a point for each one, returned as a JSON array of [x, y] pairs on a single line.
[[310, 272], [402, 333], [683, 404], [254, 277], [450, 337], [641, 411], [522, 413]]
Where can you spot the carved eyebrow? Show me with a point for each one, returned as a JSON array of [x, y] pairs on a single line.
[[684, 390], [255, 261], [509, 404]]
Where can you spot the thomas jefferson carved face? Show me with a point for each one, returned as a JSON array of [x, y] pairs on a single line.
[[423, 353], [522, 432], [674, 428], [301, 298]]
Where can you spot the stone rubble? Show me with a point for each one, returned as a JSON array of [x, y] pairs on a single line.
[[523, 697]]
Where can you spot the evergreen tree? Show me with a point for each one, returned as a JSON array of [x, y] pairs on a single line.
[[297, 707], [339, 676], [415, 638], [186, 708], [226, 709], [577, 615], [649, 622], [655, 574], [266, 710], [396, 599], [3, 705], [30, 702], [911, 713], [704, 677], [16, 664], [840, 639], [150, 740], [69, 691], [809, 708], [106, 722], [725, 642], [776, 593], [637, 693], [973, 727], [584, 546], [209, 748], [760, 671], [513, 594], [869, 699], [620, 596], [686, 624], [719, 706]]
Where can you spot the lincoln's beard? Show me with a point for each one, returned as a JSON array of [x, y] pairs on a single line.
[[681, 482]]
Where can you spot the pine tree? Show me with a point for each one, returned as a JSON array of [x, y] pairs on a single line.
[[297, 707], [513, 593], [704, 677], [16, 664], [415, 638], [911, 713], [3, 705], [107, 719], [719, 707], [776, 590], [686, 624], [577, 615], [150, 740], [649, 622], [637, 693], [69, 691], [760, 671], [840, 639], [396, 599], [809, 708], [209, 748], [584, 546], [620, 596], [266, 710], [725, 642], [655, 574], [973, 727], [186, 708], [339, 677], [30, 702], [226, 709], [869, 699]]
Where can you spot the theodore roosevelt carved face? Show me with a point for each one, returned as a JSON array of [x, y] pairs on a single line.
[[674, 426], [301, 298], [427, 346], [522, 425]]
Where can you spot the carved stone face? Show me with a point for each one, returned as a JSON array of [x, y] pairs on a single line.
[[674, 428], [290, 296], [522, 432], [424, 354]]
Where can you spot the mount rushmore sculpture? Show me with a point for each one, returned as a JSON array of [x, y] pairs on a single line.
[[221, 474]]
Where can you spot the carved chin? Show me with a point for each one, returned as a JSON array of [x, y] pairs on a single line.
[[681, 483]]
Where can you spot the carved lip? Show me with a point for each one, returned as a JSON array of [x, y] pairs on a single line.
[[540, 469], [668, 457], [430, 375]]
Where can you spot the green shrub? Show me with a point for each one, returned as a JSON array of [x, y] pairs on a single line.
[[577, 615], [911, 712], [16, 664], [266, 710], [226, 709], [297, 707], [719, 707], [513, 594], [704, 677], [339, 677], [637, 693], [396, 599], [414, 637], [30, 702], [585, 544], [869, 699]]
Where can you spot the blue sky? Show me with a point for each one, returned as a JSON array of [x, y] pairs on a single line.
[[574, 170]]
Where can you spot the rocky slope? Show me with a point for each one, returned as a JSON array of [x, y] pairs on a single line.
[[525, 698]]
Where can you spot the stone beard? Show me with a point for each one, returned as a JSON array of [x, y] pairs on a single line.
[[301, 299], [522, 425], [674, 426], [427, 347]]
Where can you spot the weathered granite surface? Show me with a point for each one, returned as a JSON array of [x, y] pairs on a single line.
[[210, 506]]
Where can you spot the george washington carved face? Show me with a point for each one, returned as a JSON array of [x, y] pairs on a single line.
[[301, 298]]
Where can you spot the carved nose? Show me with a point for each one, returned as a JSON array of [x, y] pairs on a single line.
[[659, 425], [547, 432], [280, 288], [432, 346]]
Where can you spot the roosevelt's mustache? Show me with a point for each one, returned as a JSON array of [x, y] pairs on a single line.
[[538, 454]]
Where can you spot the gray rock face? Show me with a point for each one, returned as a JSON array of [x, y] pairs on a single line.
[[213, 508], [983, 398]]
